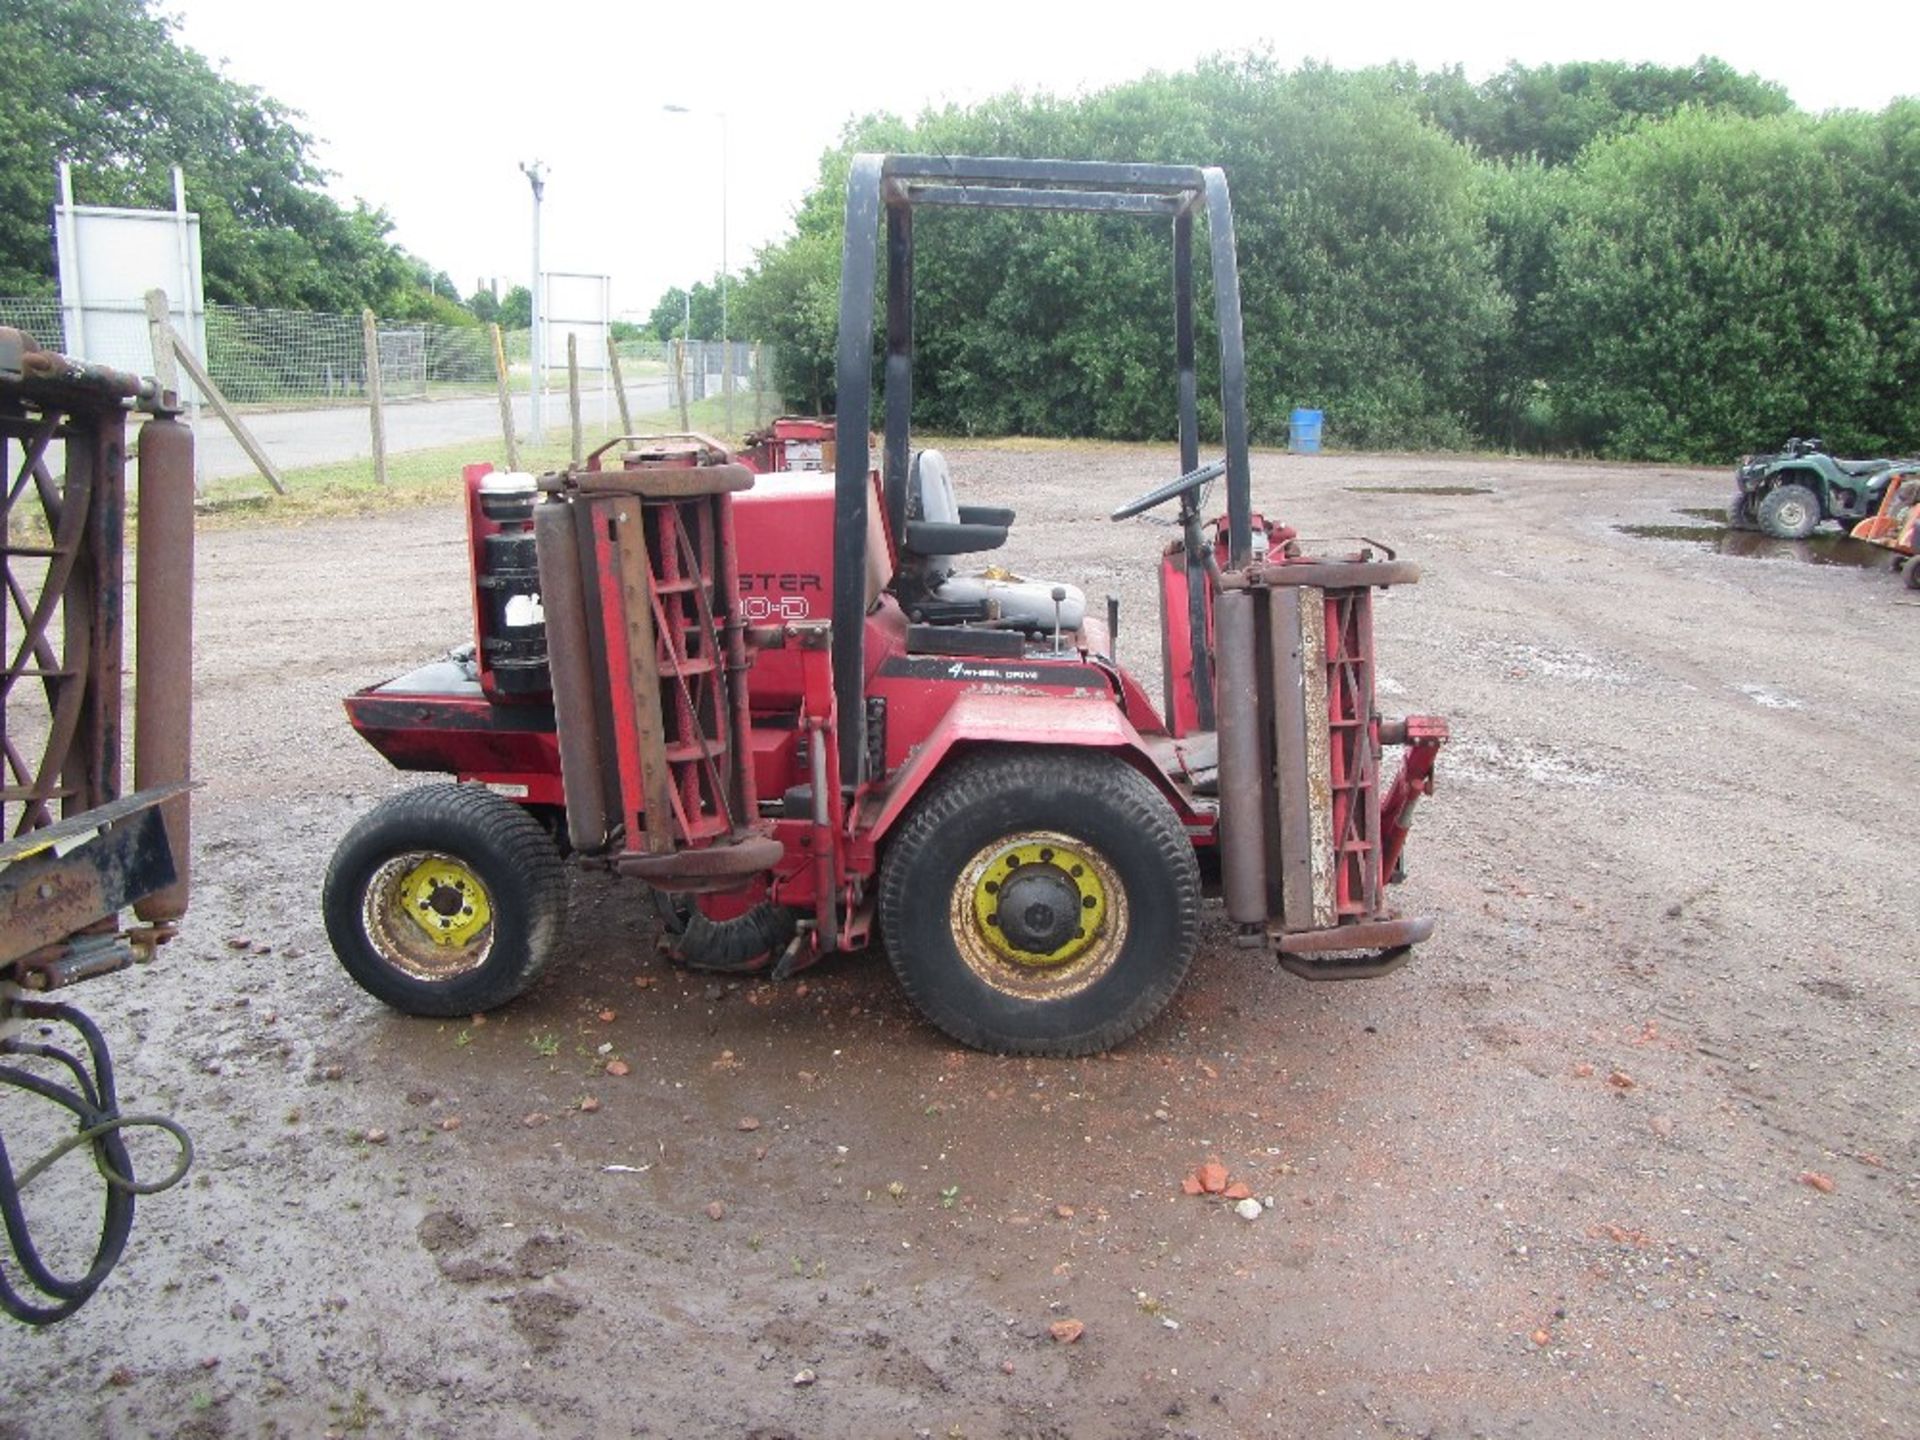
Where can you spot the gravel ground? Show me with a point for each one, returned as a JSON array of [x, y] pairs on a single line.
[[1557, 1177]]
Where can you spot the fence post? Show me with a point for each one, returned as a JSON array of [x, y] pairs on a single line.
[[728, 349], [506, 398], [759, 382], [166, 370], [160, 329], [204, 383], [376, 417], [573, 396], [680, 381], [619, 384]]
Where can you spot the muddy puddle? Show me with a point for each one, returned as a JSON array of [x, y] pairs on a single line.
[[1419, 489], [1827, 548]]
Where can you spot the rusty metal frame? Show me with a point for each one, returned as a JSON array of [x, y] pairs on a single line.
[[62, 620]]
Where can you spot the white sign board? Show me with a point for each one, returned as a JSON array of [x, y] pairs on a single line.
[[580, 306], [108, 260]]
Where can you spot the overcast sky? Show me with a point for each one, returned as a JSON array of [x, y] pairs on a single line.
[[428, 108]]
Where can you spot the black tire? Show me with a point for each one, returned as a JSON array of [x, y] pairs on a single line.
[[1738, 517], [743, 945], [422, 849], [1789, 512], [1913, 573], [1019, 813]]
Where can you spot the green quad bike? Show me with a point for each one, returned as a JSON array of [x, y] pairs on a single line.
[[1789, 493]]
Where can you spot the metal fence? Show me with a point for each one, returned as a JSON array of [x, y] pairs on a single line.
[[38, 315], [301, 359]]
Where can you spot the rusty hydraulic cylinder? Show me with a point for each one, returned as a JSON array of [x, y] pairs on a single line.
[[570, 668], [734, 645], [1243, 798], [163, 644]]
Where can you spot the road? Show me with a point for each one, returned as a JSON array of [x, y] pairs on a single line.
[[296, 438]]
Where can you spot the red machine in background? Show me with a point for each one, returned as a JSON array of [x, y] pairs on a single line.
[[1896, 525], [777, 699]]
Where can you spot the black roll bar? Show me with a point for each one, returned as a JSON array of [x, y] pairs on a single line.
[[899, 183]]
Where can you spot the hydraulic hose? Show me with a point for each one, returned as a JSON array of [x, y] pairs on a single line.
[[95, 1106]]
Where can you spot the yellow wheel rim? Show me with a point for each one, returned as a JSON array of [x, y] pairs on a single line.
[[429, 915], [1039, 915]]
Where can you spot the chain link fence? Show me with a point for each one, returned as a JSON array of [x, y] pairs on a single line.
[[302, 359], [38, 315]]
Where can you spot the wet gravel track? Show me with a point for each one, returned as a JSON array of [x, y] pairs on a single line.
[[1547, 1180]]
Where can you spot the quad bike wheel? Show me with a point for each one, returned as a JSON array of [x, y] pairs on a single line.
[[1040, 904], [1738, 517], [445, 900], [1788, 512]]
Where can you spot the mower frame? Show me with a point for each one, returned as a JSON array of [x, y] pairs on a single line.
[[898, 185]]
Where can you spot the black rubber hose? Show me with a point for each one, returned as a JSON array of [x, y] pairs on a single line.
[[95, 1106]]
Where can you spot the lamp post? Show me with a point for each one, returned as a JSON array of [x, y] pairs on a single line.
[[537, 177], [726, 352]]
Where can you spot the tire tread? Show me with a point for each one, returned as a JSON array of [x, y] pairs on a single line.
[[495, 825], [981, 778]]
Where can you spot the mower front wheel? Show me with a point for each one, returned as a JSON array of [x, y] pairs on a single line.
[[1040, 904], [445, 900], [1789, 512]]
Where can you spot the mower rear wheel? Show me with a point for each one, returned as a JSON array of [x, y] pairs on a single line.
[[1913, 573], [1788, 512], [1040, 903], [445, 900]]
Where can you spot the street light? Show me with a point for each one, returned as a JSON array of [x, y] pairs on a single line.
[[537, 177], [726, 352]]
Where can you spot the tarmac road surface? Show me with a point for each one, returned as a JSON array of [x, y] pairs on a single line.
[[295, 438]]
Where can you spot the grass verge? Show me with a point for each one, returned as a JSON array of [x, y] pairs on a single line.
[[423, 477]]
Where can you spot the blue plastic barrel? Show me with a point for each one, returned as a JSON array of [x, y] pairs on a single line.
[[1303, 432]]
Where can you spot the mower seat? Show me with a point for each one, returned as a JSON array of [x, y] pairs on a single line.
[[939, 527]]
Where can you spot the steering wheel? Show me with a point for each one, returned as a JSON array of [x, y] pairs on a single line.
[[1192, 480]]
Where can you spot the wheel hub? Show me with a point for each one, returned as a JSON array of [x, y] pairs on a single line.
[[1037, 905], [428, 915], [1039, 909], [446, 900]]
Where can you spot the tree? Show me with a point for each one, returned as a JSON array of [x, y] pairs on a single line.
[[516, 309], [1721, 282], [1367, 280], [104, 85], [792, 298], [668, 318], [1552, 112]]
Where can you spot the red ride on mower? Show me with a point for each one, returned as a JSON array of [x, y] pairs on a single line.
[[782, 701]]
